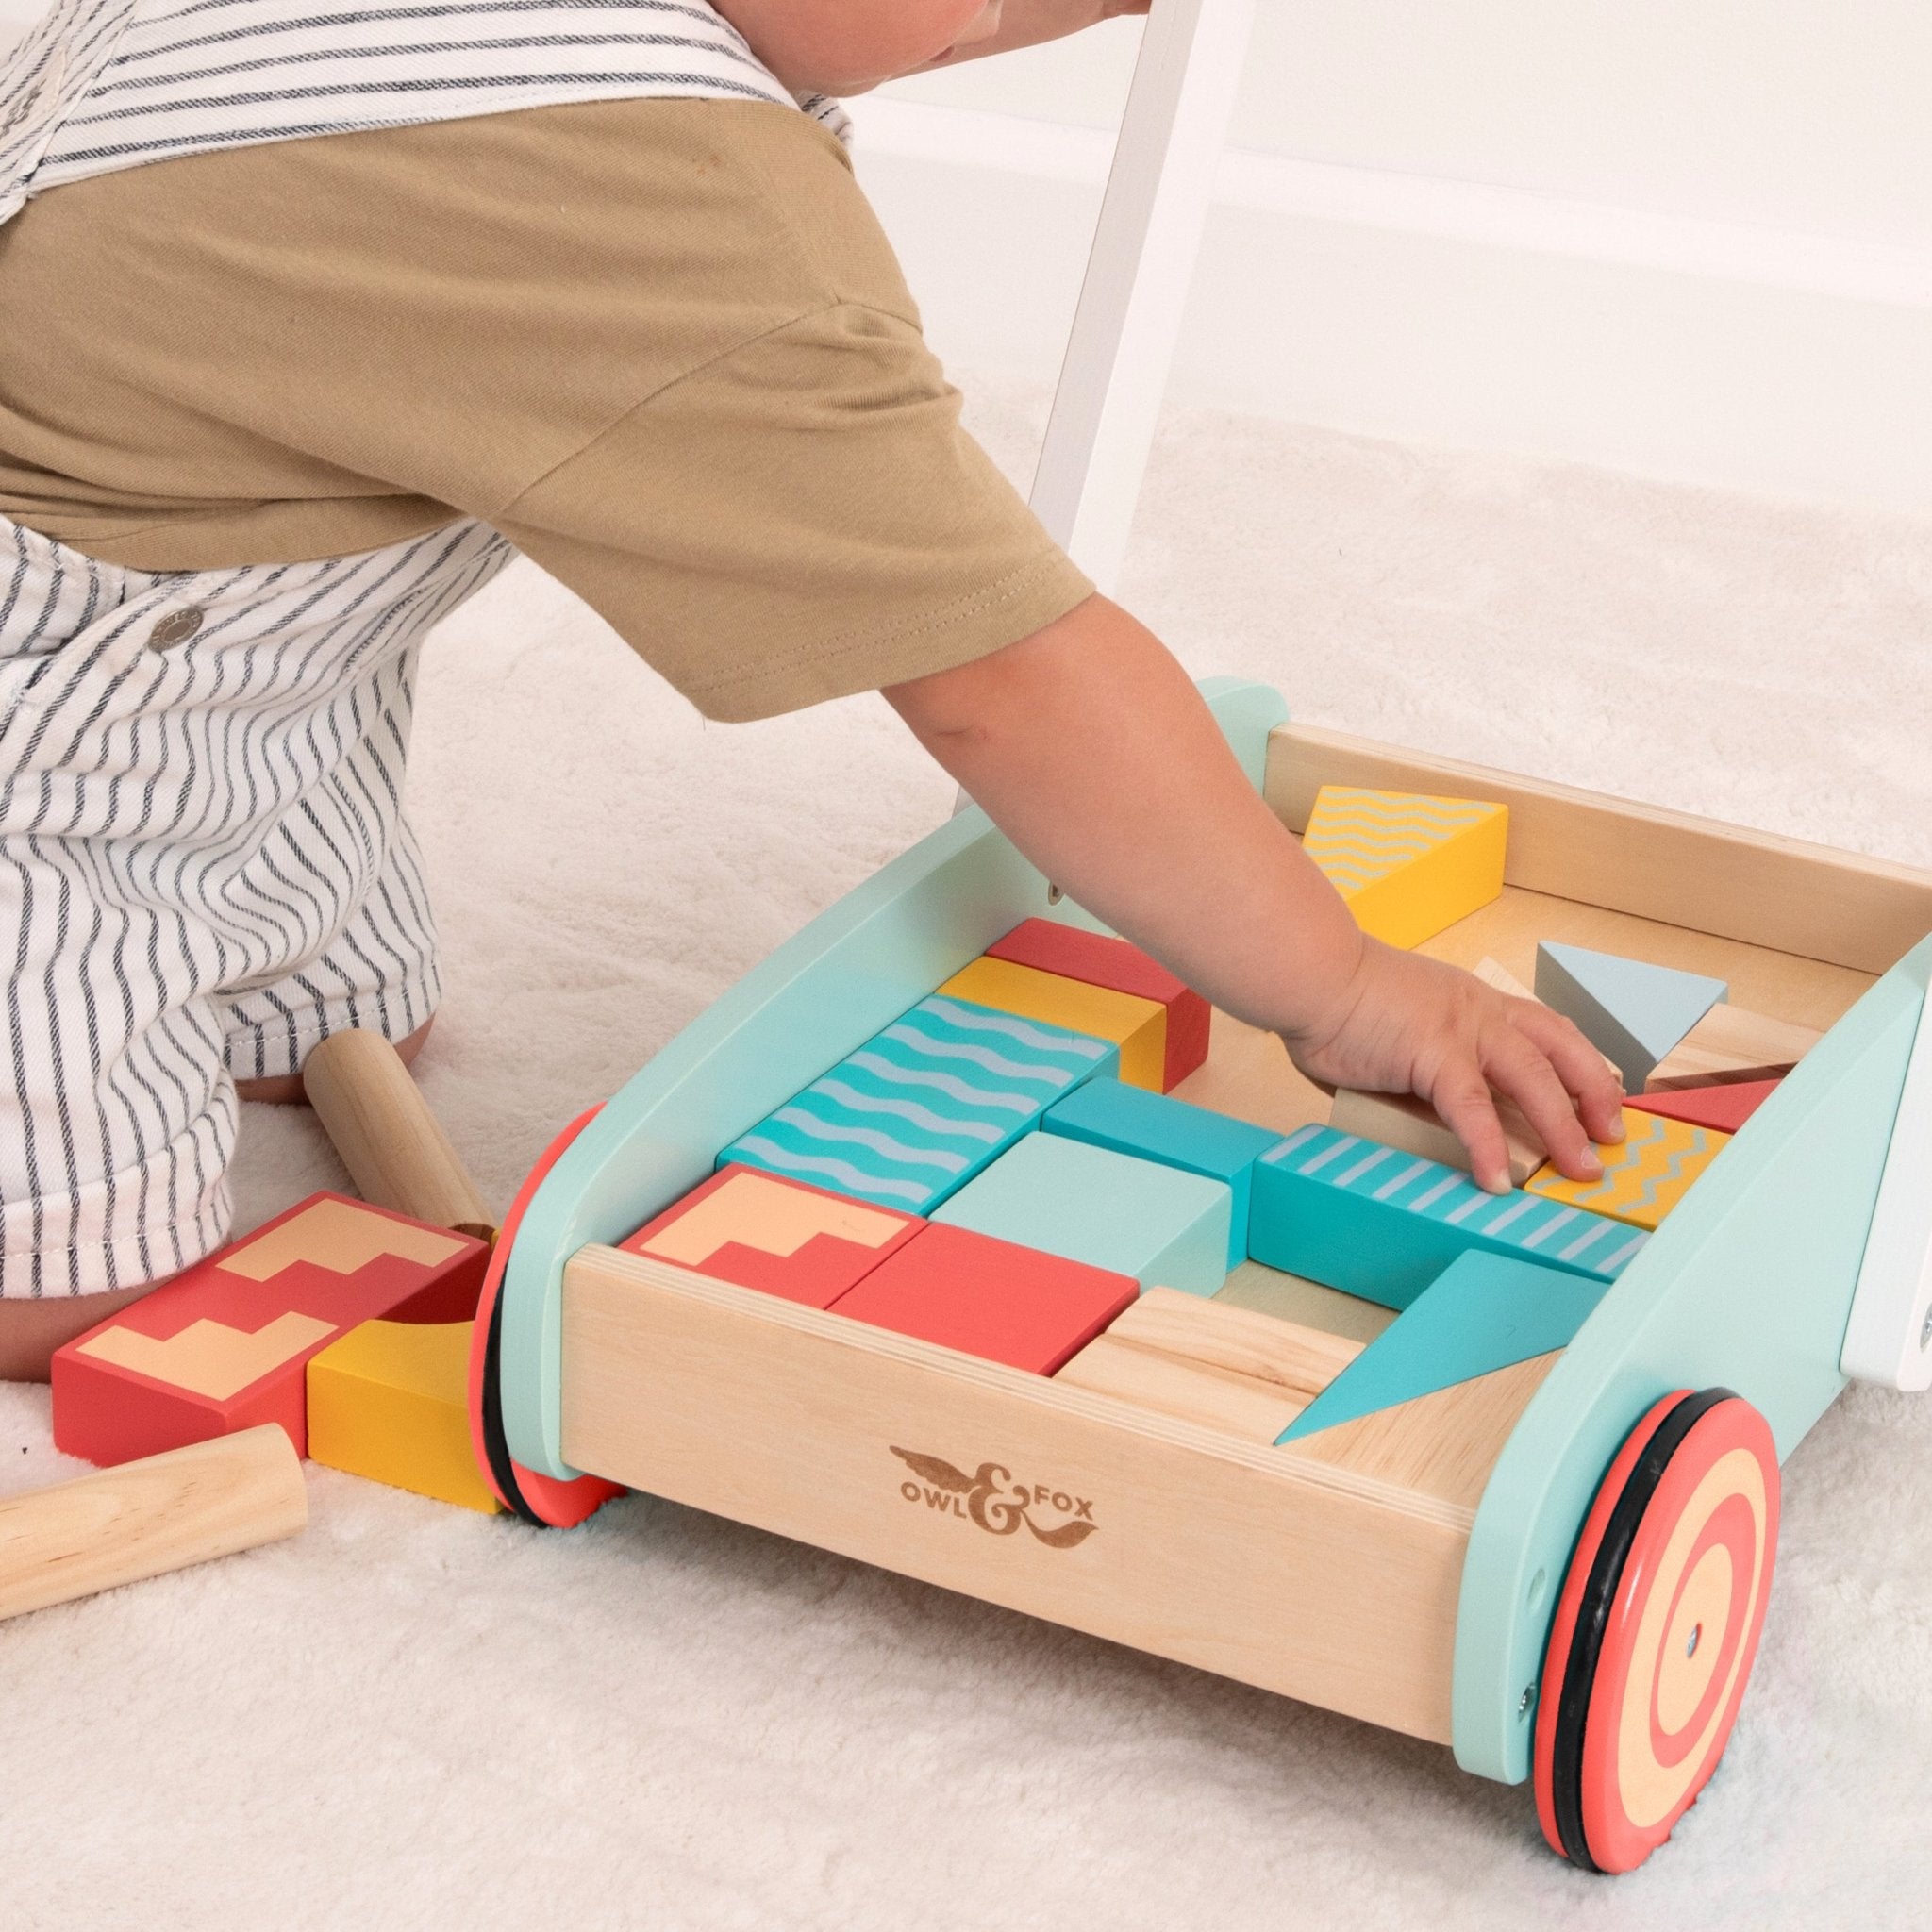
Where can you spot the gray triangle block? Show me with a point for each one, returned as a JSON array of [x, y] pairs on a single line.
[[1632, 1012]]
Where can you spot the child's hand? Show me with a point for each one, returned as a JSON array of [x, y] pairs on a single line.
[[1028, 23], [1407, 1024]]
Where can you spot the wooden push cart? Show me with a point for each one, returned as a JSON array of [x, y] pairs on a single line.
[[1417, 1587]]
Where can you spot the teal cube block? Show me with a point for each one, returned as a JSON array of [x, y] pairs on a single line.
[[1164, 1226], [1383, 1224], [923, 1105], [1154, 1127], [1483, 1312]]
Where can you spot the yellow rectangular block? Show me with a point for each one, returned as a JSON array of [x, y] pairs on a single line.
[[391, 1401], [1137, 1026], [1409, 866], [1646, 1177]]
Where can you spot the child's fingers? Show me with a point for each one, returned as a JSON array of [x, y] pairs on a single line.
[[1592, 1082], [1516, 1066], [1463, 1100]]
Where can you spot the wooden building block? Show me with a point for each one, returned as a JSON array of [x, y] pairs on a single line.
[[1212, 1363], [1409, 866], [1138, 1028], [1442, 1445], [1491, 974], [222, 1346], [1727, 1107], [1293, 1298], [1163, 1226], [391, 1401], [1632, 1012], [1729, 1043], [922, 1105], [1383, 1224], [764, 1231], [1403, 1122], [1482, 1314], [1102, 961], [1153, 1126], [992, 1298], [1644, 1177]]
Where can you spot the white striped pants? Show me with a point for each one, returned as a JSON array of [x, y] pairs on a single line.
[[204, 868]]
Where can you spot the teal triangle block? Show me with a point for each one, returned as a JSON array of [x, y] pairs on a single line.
[[1632, 1012], [1482, 1312]]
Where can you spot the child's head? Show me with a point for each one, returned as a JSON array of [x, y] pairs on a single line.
[[845, 46]]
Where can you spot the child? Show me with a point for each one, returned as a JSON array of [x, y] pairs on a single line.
[[309, 318]]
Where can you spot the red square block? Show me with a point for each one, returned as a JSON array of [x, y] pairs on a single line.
[[990, 1298], [764, 1231], [226, 1344], [1095, 959]]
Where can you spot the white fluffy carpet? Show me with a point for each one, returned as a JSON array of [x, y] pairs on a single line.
[[415, 1717]]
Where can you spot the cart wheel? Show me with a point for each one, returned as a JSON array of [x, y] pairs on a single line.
[[1656, 1628]]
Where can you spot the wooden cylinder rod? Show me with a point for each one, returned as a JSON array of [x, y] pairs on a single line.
[[394, 1148], [144, 1518]]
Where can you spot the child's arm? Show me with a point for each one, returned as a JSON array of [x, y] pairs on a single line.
[[1090, 747], [1027, 23]]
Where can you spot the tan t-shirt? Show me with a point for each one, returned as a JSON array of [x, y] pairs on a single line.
[[663, 345]]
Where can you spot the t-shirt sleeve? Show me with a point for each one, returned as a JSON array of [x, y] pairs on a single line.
[[801, 518]]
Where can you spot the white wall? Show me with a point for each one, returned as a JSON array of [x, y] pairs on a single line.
[[1692, 238]]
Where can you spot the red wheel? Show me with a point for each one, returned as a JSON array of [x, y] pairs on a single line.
[[542, 1501], [1656, 1628]]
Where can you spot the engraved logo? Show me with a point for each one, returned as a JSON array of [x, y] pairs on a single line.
[[992, 1499]]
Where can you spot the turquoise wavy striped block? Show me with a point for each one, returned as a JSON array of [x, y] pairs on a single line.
[[923, 1107], [1384, 1224]]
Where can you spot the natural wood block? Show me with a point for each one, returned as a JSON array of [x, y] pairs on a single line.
[[150, 1516], [1236, 1341], [1727, 1107], [1501, 979], [1159, 1224], [1162, 1128], [1409, 866], [1384, 1224], [222, 1346], [1402, 1121], [990, 1298], [764, 1231], [923, 1105], [391, 1401], [1238, 1406], [1644, 1177], [1100, 960], [1633, 1013], [1137, 1026], [1293, 1298], [1730, 1043], [1441, 1445]]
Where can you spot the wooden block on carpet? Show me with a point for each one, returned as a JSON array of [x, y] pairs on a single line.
[[992, 1298], [1384, 1224], [1644, 1177], [1157, 1127], [1730, 1043], [1409, 866], [1163, 1226], [222, 1346], [923, 1105], [1402, 1121], [1103, 960], [391, 1401], [764, 1231], [1137, 1026]]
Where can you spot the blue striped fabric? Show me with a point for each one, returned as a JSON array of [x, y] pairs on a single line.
[[923, 1107]]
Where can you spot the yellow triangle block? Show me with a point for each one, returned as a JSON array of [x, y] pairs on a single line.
[[1646, 1177], [1409, 866], [1137, 1026], [391, 1401]]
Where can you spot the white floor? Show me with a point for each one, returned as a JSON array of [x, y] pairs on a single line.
[[416, 1717]]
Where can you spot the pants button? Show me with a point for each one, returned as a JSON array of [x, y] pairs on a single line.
[[174, 629]]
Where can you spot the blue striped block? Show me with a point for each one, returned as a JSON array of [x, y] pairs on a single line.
[[1383, 1224], [923, 1106]]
